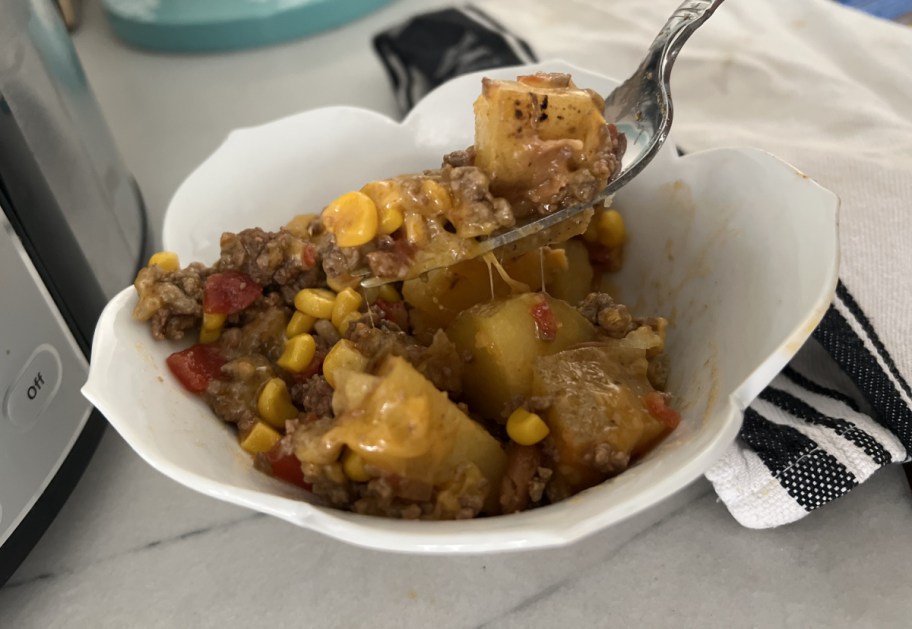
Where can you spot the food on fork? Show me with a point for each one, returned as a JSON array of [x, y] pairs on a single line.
[[487, 387], [541, 145]]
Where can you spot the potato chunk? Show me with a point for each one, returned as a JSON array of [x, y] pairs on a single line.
[[401, 425], [598, 410], [438, 297], [542, 140], [503, 338]]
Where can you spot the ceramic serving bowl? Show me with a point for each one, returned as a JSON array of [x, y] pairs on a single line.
[[735, 247]]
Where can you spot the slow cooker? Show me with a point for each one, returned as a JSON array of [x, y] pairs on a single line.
[[72, 233]]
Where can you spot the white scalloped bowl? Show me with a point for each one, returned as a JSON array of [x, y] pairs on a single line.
[[736, 247]]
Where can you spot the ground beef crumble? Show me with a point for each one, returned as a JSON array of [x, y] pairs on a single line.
[[601, 310], [172, 301], [313, 395]]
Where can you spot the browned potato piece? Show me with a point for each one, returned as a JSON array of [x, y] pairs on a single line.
[[530, 130], [400, 424], [596, 414], [503, 341]]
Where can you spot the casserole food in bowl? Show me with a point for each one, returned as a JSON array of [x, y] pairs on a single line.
[[735, 247]]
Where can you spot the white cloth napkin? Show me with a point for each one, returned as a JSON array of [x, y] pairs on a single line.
[[828, 89]]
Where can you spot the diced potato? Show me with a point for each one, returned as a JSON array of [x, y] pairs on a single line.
[[572, 281], [352, 388], [597, 416], [520, 125], [438, 297], [503, 341], [399, 423], [567, 270], [443, 293]]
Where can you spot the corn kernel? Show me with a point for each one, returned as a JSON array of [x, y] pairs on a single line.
[[316, 302], [381, 192], [212, 326], [526, 428], [611, 229], [352, 219], [347, 302], [416, 230], [340, 282], [214, 320], [165, 260], [343, 355], [391, 219], [437, 196], [274, 404], [260, 438], [346, 321], [388, 199], [209, 336], [300, 224], [299, 324], [298, 354], [388, 293], [353, 466]]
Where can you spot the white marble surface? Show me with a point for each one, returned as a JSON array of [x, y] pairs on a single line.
[[132, 548]]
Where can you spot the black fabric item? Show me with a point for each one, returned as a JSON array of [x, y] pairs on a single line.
[[813, 387], [811, 475], [777, 446], [860, 363], [843, 294], [847, 430], [434, 47], [817, 479]]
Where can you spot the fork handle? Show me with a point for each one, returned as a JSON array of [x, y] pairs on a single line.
[[680, 26]]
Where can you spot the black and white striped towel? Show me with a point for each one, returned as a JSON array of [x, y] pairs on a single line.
[[822, 86]]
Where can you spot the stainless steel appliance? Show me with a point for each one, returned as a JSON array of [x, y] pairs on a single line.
[[72, 232]]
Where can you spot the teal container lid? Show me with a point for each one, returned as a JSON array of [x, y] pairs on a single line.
[[219, 25]]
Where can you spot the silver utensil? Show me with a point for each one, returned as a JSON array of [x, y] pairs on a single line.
[[641, 108]]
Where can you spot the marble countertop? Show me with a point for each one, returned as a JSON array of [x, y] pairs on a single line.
[[132, 548]]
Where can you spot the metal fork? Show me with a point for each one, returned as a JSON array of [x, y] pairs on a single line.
[[641, 108]]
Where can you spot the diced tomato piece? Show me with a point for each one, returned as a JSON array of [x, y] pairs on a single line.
[[656, 404], [394, 311], [286, 466], [309, 256], [545, 322], [229, 292], [197, 366]]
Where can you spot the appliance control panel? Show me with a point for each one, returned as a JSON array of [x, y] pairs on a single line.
[[41, 371]]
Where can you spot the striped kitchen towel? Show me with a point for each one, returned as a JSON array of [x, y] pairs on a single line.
[[835, 415], [775, 75]]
